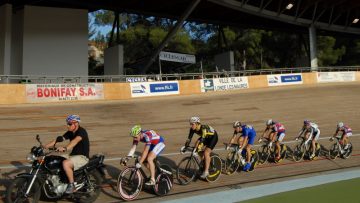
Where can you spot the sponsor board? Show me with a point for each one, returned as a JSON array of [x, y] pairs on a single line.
[[136, 79], [335, 76], [64, 92], [145, 89], [177, 57], [284, 79], [222, 84]]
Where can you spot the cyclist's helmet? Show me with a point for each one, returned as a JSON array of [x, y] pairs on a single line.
[[134, 132], [306, 122], [194, 119], [340, 125], [72, 118], [237, 124], [270, 122]]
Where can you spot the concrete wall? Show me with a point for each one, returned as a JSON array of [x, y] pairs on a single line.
[[309, 78], [12, 94], [5, 38], [55, 41], [114, 60], [17, 38], [189, 87], [357, 76], [257, 81], [114, 91]]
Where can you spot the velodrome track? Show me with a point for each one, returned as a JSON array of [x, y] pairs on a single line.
[[108, 124]]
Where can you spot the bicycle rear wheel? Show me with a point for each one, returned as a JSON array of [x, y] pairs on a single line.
[[214, 169], [347, 152], [264, 154], [129, 183], [163, 184], [254, 159], [232, 162], [298, 152], [186, 170], [334, 151]]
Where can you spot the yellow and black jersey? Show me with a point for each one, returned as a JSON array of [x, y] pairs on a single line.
[[205, 131]]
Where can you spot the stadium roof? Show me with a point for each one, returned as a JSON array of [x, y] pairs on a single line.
[[293, 15]]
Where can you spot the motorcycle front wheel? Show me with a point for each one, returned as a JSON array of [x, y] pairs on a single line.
[[17, 189]]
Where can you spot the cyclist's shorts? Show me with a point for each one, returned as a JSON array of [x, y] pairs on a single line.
[[251, 139], [158, 148], [316, 135], [280, 136], [210, 142], [348, 134]]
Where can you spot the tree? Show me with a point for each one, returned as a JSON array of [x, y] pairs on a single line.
[[327, 54]]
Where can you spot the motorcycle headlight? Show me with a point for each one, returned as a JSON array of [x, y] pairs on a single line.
[[30, 157]]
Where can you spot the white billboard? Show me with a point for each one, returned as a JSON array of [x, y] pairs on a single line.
[[222, 84], [145, 89], [335, 77], [284, 79], [64, 92], [177, 57]]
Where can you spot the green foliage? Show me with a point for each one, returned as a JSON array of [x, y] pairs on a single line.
[[327, 55]]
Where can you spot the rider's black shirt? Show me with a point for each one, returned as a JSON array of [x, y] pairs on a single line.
[[82, 147]]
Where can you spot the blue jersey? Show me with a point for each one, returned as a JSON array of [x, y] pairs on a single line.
[[248, 130]]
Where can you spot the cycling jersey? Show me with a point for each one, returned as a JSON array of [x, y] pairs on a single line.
[[205, 131], [248, 131], [346, 130], [150, 137], [278, 127], [313, 130]]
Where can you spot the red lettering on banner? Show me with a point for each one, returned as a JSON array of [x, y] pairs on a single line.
[[90, 92], [81, 91], [73, 91], [39, 92]]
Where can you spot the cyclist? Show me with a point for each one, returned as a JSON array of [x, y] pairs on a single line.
[[276, 132], [311, 132], [154, 145], [346, 133], [79, 146], [208, 136], [246, 140]]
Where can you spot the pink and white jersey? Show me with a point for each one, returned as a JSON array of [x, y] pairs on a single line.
[[150, 137], [346, 129], [278, 127]]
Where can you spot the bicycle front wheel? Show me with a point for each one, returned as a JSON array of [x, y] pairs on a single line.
[[186, 170], [264, 154], [232, 162], [298, 152], [215, 168], [129, 183], [334, 151]]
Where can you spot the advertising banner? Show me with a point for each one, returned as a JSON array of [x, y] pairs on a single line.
[[335, 76], [64, 92], [145, 89], [136, 79], [222, 84], [284, 79]]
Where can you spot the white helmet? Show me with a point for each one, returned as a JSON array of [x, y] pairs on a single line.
[[340, 125], [194, 119], [269, 122], [237, 124]]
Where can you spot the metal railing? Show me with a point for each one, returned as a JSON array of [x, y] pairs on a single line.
[[37, 79]]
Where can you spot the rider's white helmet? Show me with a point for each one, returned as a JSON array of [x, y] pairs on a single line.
[[237, 124], [340, 125], [194, 119], [269, 122]]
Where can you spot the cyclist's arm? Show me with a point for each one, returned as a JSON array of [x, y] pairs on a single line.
[[191, 134], [245, 141], [265, 131], [144, 153], [301, 132], [336, 132], [232, 139]]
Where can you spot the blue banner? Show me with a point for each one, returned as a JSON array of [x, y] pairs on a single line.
[[164, 87], [290, 78]]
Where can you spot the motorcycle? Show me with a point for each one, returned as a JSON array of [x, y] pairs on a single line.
[[47, 179]]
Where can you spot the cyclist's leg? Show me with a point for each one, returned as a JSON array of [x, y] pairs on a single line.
[[210, 144], [346, 140], [251, 140], [313, 142], [280, 137], [154, 152]]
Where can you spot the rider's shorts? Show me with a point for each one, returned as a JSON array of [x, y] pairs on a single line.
[[211, 141], [158, 148], [251, 139], [280, 136], [348, 134], [78, 160], [316, 135]]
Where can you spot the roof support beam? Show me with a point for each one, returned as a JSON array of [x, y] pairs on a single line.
[[171, 33]]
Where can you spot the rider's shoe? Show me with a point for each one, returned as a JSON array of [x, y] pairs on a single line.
[[204, 175], [70, 188], [346, 146], [151, 182], [312, 156], [247, 167]]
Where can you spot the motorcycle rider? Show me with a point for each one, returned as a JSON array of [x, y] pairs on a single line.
[[79, 147]]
